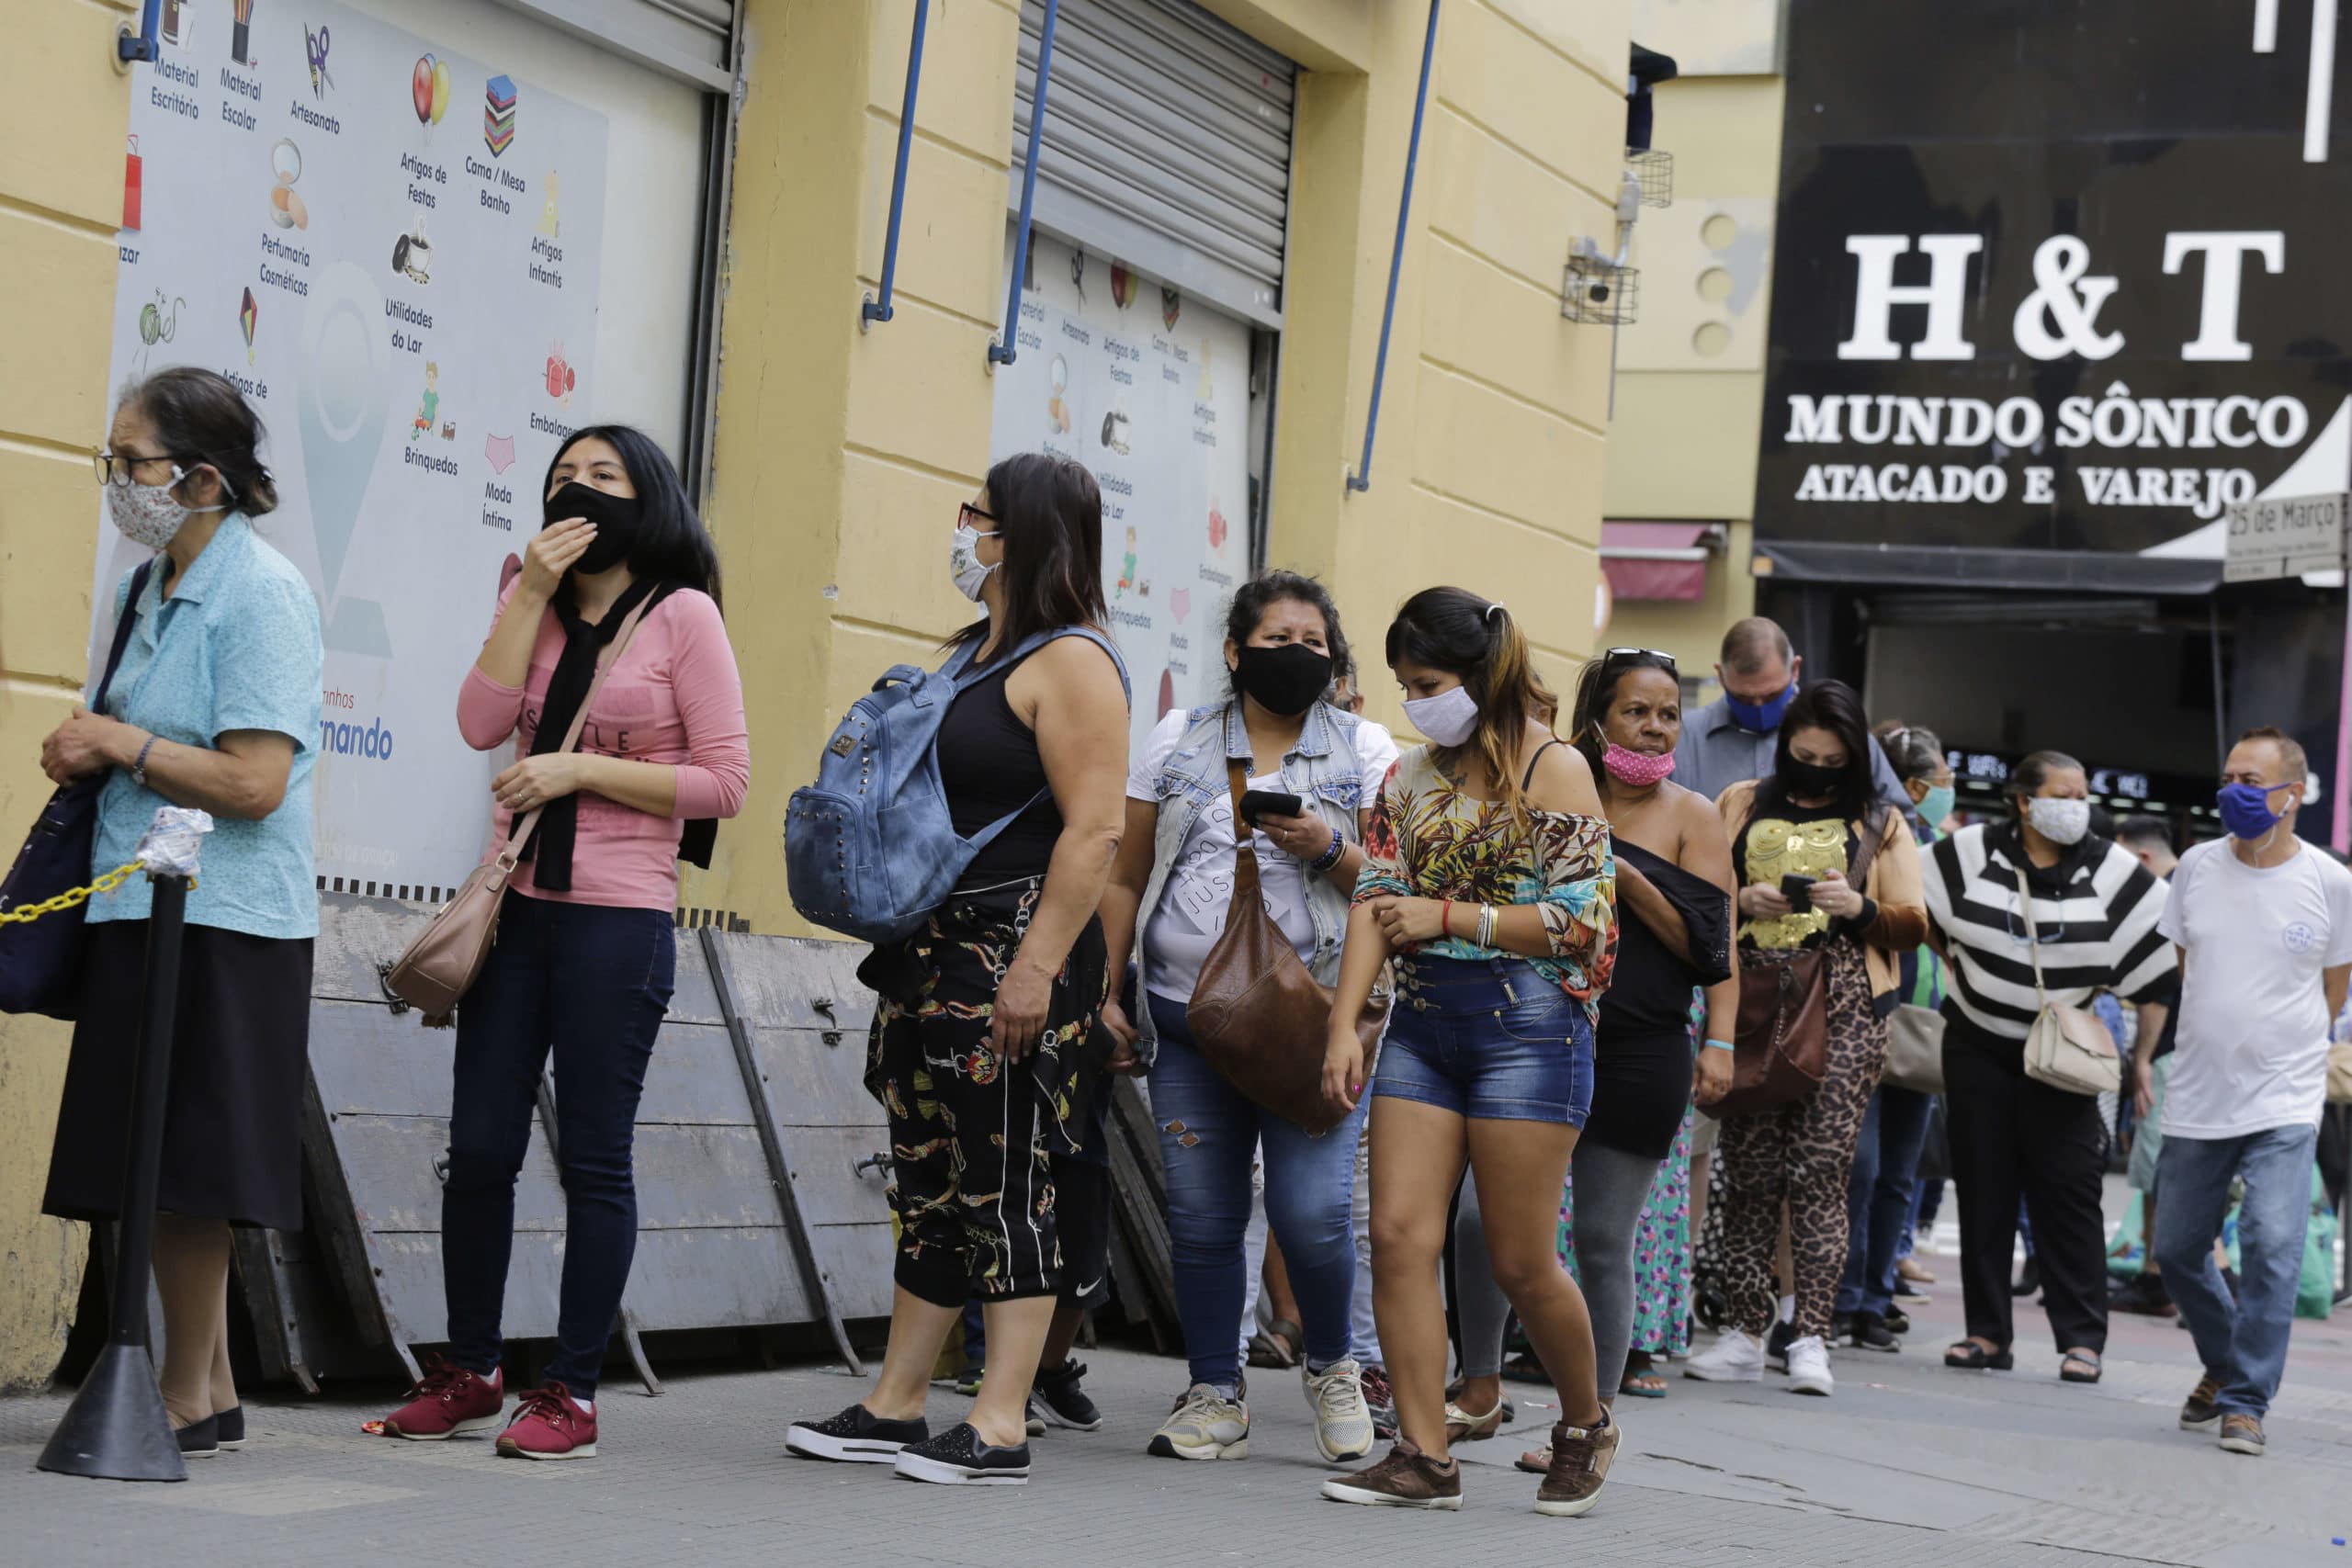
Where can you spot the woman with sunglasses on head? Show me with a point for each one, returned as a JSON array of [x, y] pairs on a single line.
[[586, 947], [1627, 1195], [1822, 867], [979, 1049], [2093, 923], [214, 705], [1489, 878]]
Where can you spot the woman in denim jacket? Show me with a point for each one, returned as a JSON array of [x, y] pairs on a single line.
[[1168, 900]]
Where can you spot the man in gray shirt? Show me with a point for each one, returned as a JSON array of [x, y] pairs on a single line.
[[1732, 740]]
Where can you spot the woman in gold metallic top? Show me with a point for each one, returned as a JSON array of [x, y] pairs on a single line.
[[1798, 835]]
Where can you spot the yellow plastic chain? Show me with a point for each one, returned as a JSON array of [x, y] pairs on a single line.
[[67, 899]]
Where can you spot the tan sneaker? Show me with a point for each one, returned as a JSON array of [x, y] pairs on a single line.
[[1407, 1478], [1204, 1425], [1580, 1459], [2242, 1435]]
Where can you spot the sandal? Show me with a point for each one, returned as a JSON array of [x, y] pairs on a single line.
[[1968, 1356], [1535, 1461], [1279, 1346], [1643, 1382], [2068, 1368], [1461, 1427]]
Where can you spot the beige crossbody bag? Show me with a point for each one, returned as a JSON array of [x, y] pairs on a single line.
[[2068, 1048], [439, 966]]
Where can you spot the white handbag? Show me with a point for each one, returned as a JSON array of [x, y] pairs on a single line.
[[2068, 1048]]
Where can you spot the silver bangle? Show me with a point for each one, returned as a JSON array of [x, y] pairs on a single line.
[[1485, 925]]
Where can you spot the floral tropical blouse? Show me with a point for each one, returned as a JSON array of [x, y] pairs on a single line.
[[1429, 841]]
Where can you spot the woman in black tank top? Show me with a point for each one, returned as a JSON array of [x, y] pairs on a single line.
[[979, 1049]]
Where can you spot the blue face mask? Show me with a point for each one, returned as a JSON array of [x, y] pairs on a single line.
[[2245, 811], [1936, 805], [1760, 718]]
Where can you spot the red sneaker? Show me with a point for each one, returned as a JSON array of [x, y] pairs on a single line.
[[449, 1400], [550, 1424]]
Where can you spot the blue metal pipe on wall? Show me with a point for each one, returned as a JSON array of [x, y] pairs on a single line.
[[881, 309], [1004, 350], [1362, 478]]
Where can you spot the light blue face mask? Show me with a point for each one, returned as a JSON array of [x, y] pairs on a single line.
[[1936, 805]]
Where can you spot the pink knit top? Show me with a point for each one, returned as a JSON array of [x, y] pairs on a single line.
[[674, 698]]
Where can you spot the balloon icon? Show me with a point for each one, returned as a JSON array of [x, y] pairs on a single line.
[[246, 316], [420, 89], [440, 90]]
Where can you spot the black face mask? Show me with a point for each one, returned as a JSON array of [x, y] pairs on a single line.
[[619, 520], [1811, 781], [1285, 680]]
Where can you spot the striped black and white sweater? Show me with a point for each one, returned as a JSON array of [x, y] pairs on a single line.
[[2096, 912]]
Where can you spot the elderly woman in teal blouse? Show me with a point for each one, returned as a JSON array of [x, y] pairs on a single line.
[[215, 705]]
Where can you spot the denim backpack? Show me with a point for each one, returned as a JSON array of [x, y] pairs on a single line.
[[870, 849]]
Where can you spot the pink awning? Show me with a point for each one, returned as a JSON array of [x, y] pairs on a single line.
[[1655, 560]]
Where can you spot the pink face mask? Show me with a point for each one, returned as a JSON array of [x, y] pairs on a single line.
[[1636, 768]]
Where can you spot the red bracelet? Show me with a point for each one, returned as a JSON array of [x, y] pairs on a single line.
[[1445, 917]]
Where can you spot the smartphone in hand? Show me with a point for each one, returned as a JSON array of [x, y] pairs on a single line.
[[1257, 803], [1798, 891]]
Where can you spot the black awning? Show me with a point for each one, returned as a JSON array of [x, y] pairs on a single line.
[[1943, 566]]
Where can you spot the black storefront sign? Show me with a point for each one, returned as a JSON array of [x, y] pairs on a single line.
[[2058, 276]]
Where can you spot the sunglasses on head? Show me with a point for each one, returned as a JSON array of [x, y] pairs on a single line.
[[1617, 654]]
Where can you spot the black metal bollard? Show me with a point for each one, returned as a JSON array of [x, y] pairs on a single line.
[[116, 1428]]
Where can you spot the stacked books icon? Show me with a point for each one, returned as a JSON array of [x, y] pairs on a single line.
[[498, 114]]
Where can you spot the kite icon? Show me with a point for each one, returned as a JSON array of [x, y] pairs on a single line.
[[499, 450]]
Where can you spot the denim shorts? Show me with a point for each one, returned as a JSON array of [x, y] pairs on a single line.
[[1489, 1039]]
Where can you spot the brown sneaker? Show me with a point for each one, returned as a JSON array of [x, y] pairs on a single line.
[[1407, 1478], [1580, 1458], [2242, 1435], [2199, 1413]]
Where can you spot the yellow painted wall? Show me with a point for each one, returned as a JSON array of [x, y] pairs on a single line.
[[62, 109], [1691, 386], [840, 455]]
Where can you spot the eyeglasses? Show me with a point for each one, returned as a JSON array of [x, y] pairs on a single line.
[[965, 513], [1614, 654], [115, 468]]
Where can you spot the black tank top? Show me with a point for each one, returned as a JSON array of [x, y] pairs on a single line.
[[989, 764]]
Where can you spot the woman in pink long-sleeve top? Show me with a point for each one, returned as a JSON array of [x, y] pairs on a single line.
[[584, 956]]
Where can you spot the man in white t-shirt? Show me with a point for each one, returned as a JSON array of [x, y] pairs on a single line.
[[2264, 924]]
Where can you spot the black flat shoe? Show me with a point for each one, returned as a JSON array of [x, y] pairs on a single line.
[[233, 1425], [1969, 1357], [200, 1439]]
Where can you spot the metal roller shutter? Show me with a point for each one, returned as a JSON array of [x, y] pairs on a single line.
[[686, 38], [1167, 144]]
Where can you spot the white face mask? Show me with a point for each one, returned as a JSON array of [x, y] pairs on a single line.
[[150, 514], [964, 562], [2060, 821], [1449, 718]]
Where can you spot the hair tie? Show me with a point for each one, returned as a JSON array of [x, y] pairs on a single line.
[[1495, 609]]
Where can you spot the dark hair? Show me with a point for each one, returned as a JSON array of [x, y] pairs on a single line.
[[1454, 631], [1837, 707], [2291, 756], [2151, 832], [1050, 520], [1597, 692], [201, 414], [1263, 592], [1914, 753], [2033, 774], [1750, 643], [674, 546]]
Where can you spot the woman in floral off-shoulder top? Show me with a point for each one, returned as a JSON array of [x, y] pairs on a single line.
[[1490, 880]]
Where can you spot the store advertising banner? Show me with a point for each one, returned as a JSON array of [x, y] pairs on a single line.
[[1150, 390], [392, 250], [2067, 279]]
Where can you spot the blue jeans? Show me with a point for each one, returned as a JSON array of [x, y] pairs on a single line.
[[594, 983], [1879, 1196], [1209, 1137], [1489, 1040], [2242, 1343]]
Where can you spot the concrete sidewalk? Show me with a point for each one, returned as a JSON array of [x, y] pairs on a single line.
[[1908, 1463]]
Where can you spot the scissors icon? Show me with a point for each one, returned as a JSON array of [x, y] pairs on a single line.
[[321, 78]]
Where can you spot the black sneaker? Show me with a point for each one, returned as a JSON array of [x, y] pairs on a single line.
[[1776, 1345], [856, 1437], [1898, 1321], [1841, 1325], [1058, 1397], [957, 1458], [1870, 1332]]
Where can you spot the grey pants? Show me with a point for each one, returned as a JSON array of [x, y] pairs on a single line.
[[1610, 1188]]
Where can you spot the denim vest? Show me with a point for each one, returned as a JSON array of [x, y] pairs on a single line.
[[1321, 768]]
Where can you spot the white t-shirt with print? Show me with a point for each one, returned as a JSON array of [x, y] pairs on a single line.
[[2251, 1049], [1199, 889]]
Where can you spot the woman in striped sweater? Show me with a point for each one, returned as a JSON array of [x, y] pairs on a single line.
[[2095, 910]]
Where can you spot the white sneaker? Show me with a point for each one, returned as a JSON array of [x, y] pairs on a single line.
[[1809, 1367], [1204, 1425], [1343, 1429], [1736, 1357]]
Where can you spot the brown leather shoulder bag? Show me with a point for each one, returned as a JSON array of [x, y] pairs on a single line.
[[440, 965], [1258, 1014]]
